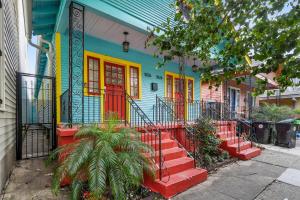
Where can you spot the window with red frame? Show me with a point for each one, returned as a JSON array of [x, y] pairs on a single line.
[[169, 86], [93, 75], [190, 90], [134, 82]]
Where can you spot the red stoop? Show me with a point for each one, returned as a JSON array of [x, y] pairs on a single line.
[[227, 132], [178, 172]]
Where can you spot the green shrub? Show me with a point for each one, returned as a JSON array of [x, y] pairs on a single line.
[[272, 112], [108, 160], [207, 143]]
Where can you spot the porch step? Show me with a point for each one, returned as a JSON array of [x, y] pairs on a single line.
[[176, 165], [165, 144], [178, 171], [226, 134], [146, 137], [238, 147], [170, 154], [249, 153], [232, 140], [176, 183]]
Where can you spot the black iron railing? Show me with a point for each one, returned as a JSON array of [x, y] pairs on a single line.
[[98, 104], [227, 122], [169, 120]]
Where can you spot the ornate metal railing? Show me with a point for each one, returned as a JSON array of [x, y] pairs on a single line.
[[169, 120], [184, 110], [227, 122], [100, 103]]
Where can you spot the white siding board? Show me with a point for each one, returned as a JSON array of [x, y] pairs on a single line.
[[11, 65]]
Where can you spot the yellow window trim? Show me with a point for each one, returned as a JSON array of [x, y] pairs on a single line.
[[174, 75], [187, 78], [127, 64], [104, 58], [58, 74]]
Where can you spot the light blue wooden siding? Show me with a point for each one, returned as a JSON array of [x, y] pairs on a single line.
[[148, 63], [64, 62]]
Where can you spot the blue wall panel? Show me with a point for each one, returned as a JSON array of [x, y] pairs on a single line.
[[148, 63]]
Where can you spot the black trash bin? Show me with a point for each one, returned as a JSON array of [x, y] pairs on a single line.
[[263, 132], [286, 133]]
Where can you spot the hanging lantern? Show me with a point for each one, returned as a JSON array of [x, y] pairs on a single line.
[[195, 67], [125, 43]]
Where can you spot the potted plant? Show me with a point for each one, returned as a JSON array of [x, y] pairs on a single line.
[[107, 161]]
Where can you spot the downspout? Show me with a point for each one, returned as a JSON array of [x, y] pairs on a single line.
[[27, 6]]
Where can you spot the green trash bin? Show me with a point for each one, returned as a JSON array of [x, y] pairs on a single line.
[[263, 132], [286, 133]]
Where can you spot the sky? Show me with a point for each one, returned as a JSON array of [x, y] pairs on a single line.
[[31, 57]]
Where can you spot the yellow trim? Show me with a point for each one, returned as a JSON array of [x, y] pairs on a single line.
[[187, 78], [58, 74], [127, 64]]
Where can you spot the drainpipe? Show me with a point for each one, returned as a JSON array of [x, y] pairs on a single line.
[[27, 6], [49, 53]]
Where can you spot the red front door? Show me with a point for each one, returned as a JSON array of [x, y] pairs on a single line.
[[115, 89], [179, 98]]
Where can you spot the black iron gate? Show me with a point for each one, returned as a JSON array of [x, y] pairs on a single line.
[[36, 116]]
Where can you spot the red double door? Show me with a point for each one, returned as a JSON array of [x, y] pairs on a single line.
[[114, 97], [179, 98]]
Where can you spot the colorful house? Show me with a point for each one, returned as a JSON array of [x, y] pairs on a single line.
[[237, 98], [102, 65]]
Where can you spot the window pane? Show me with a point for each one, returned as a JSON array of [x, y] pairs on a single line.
[[91, 63], [134, 85], [108, 81], [96, 75], [96, 64], [90, 75]]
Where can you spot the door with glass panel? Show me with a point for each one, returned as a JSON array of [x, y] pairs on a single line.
[[114, 89]]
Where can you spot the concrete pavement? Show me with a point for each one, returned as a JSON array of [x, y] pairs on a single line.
[[249, 180], [244, 180]]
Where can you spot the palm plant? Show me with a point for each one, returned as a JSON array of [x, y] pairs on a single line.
[[272, 112], [109, 160]]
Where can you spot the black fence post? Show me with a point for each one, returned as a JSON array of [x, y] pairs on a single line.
[[18, 116]]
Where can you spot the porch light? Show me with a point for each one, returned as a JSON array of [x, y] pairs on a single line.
[[125, 43], [195, 67]]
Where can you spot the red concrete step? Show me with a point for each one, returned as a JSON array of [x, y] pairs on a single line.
[[232, 140], [165, 144], [151, 136], [226, 134], [249, 153], [170, 154], [176, 183], [242, 145], [175, 166]]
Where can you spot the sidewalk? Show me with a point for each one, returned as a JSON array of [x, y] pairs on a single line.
[[31, 180], [256, 179], [250, 180], [293, 151]]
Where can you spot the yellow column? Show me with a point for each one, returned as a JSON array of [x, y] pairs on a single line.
[[58, 75]]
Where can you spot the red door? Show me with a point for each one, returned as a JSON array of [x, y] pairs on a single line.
[[115, 89], [179, 98]]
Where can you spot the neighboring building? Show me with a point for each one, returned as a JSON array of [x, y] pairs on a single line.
[[290, 97], [12, 40], [237, 98]]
